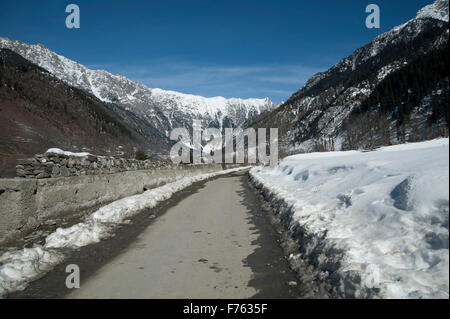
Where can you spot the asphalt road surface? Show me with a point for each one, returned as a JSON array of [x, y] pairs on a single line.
[[212, 240]]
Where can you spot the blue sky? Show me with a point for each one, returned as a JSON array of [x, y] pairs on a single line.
[[208, 47]]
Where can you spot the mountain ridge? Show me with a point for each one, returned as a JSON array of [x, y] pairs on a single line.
[[38, 111], [435, 10], [320, 108], [163, 109]]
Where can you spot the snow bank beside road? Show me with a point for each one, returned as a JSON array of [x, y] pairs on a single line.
[[372, 223], [18, 268]]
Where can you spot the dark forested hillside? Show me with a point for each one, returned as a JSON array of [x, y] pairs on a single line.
[[415, 98], [394, 89], [403, 90], [39, 111]]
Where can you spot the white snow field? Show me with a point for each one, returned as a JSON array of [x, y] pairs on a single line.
[[372, 224], [19, 267]]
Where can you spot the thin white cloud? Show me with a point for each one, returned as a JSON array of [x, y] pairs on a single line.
[[284, 79], [99, 66]]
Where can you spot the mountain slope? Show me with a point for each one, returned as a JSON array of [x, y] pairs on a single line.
[[346, 106], [39, 111], [159, 109]]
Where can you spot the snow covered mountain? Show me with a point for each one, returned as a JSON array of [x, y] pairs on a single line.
[[148, 110], [39, 111], [390, 84]]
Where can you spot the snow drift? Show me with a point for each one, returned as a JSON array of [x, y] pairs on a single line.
[[372, 224]]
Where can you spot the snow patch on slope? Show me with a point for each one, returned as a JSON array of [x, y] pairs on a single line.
[[437, 10], [66, 153]]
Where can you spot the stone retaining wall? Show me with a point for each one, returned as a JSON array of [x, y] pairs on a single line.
[[26, 203], [51, 165]]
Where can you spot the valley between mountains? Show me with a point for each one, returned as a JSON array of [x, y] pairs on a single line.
[[356, 207]]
